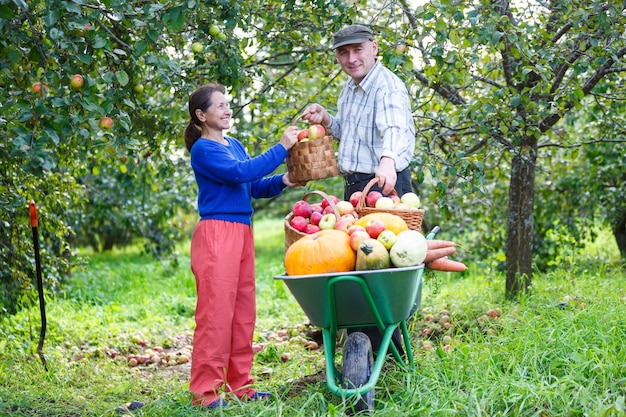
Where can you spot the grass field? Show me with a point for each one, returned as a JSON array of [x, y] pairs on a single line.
[[558, 351]]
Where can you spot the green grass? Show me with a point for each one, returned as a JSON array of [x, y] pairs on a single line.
[[559, 351]]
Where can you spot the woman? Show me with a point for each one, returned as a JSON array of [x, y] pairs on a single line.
[[222, 246]]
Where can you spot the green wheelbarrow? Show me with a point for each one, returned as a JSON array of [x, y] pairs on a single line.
[[384, 298]]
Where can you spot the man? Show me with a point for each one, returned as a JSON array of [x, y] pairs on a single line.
[[374, 125]]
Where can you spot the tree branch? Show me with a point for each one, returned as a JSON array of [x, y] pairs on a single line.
[[551, 120], [445, 91], [580, 144]]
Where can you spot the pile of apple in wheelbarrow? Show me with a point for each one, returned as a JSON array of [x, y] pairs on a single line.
[[345, 241]]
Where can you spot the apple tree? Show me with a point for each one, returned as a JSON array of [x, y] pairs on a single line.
[[498, 82], [104, 159]]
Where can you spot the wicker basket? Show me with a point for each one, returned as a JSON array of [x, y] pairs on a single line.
[[291, 234], [413, 218], [312, 160]]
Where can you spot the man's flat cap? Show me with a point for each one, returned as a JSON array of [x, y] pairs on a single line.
[[352, 34]]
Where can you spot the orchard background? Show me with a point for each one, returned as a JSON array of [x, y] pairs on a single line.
[[519, 108]]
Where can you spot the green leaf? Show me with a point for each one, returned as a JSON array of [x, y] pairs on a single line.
[[6, 12], [175, 20], [122, 77], [140, 48]]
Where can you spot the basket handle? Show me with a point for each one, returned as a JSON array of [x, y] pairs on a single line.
[[326, 197], [361, 204], [296, 120]]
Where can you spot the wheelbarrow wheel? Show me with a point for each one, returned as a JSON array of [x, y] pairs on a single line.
[[358, 363]]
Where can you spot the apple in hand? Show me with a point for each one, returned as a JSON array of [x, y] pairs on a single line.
[[345, 207], [372, 197], [299, 223], [315, 218], [411, 199], [76, 82], [385, 203], [374, 227], [357, 237], [301, 208], [302, 135], [328, 221], [316, 132], [387, 238], [355, 197]]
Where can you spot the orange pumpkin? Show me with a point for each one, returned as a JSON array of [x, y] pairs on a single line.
[[320, 253], [392, 222]]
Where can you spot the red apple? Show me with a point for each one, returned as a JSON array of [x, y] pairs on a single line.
[[354, 228], [333, 198], [317, 207], [106, 123], [355, 197], [343, 224], [357, 237], [315, 218], [76, 82], [316, 132], [311, 228], [328, 210], [39, 89], [328, 221], [349, 218], [301, 208], [395, 199], [345, 207], [374, 227], [303, 134], [371, 198], [299, 223]]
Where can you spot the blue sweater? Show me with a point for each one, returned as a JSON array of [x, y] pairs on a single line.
[[228, 178]]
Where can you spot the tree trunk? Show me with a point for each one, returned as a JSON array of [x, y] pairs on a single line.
[[619, 231], [519, 249]]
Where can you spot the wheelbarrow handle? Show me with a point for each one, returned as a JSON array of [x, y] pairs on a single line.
[[433, 232]]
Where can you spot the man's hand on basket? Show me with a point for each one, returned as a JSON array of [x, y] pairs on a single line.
[[386, 174]]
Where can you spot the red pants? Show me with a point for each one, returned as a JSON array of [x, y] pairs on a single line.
[[222, 260]]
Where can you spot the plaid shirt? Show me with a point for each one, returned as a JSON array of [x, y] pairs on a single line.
[[374, 119]]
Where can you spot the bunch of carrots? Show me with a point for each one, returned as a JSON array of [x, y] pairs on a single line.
[[437, 256]]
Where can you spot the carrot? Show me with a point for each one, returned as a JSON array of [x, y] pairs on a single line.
[[445, 264], [433, 254], [438, 244]]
